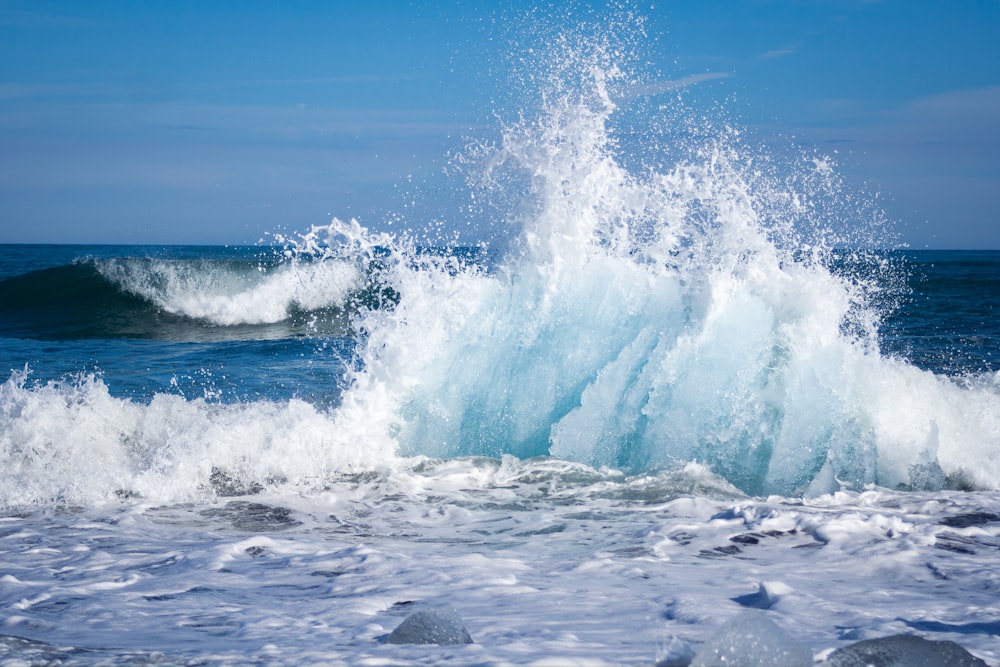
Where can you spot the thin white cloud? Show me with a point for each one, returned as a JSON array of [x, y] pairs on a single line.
[[30, 90], [227, 124], [315, 81], [778, 53], [955, 111], [660, 87]]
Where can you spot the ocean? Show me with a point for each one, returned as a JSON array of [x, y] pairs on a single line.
[[673, 400]]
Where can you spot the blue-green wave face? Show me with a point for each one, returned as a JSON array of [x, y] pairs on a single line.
[[711, 309]]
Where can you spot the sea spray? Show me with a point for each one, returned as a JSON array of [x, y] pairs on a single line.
[[642, 321]]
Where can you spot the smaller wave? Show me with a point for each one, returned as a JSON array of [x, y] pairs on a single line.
[[182, 300], [228, 294]]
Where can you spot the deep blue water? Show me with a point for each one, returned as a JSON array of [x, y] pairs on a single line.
[[949, 321]]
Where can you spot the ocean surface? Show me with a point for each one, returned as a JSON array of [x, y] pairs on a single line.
[[671, 395]]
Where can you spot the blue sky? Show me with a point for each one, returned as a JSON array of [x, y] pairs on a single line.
[[217, 122]]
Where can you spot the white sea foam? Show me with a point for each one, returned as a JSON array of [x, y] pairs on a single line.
[[72, 442], [542, 562]]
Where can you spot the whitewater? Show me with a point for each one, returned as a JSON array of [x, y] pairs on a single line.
[[655, 418]]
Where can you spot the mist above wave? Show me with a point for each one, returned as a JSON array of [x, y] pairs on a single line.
[[643, 318]]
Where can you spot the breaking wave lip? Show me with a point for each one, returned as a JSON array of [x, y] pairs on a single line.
[[646, 319]]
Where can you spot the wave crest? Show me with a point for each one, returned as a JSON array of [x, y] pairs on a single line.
[[699, 312]]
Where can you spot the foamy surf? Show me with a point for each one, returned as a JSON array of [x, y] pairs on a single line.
[[73, 443]]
